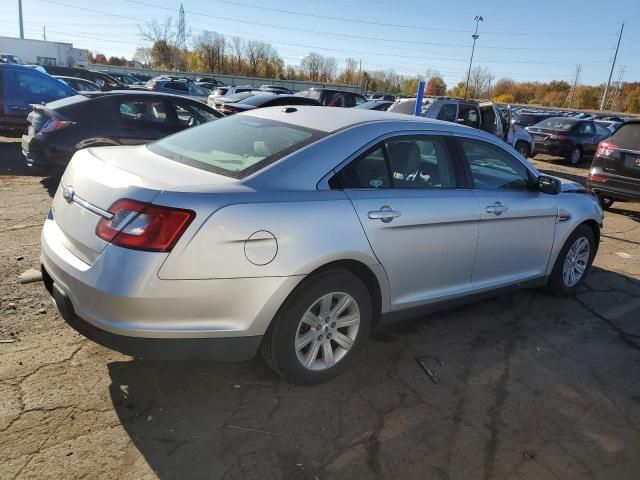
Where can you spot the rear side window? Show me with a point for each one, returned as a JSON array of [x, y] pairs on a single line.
[[628, 136], [468, 115], [421, 162], [147, 111], [235, 146], [492, 168], [24, 87], [448, 112]]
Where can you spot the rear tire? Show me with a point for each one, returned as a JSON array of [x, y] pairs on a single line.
[[573, 263], [288, 346], [605, 202], [575, 157]]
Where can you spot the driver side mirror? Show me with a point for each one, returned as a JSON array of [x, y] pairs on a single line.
[[549, 185]]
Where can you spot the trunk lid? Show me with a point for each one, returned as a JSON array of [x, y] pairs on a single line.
[[97, 177]]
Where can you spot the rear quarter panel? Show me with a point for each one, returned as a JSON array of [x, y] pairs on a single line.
[[311, 230]]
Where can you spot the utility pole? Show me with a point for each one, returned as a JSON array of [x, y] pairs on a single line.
[[616, 92], [182, 29], [569, 101], [613, 64], [360, 74], [475, 36], [44, 32], [20, 18]]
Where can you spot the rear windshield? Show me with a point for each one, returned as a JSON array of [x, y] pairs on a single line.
[[558, 123], [628, 136], [315, 94], [235, 146]]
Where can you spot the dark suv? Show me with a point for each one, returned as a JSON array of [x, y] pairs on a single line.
[[333, 98], [20, 87], [615, 170]]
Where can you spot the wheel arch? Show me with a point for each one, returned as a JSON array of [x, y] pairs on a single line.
[[366, 275]]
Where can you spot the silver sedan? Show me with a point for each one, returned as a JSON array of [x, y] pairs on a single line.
[[295, 230]]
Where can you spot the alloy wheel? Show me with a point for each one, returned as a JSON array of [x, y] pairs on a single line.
[[327, 331], [576, 261]]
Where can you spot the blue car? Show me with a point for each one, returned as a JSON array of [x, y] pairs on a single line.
[[20, 87]]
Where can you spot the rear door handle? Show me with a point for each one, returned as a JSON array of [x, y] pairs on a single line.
[[385, 214], [497, 209]]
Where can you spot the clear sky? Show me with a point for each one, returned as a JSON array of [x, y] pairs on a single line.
[[524, 40]]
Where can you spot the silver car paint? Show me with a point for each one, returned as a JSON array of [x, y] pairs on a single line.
[[209, 287]]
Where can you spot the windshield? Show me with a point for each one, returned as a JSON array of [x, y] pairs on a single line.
[[235, 146], [558, 123]]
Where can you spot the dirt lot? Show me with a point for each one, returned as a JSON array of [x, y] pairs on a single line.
[[529, 386]]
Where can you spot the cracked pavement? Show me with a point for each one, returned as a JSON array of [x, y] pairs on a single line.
[[529, 386]]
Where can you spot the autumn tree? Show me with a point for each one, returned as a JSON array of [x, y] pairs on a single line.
[[435, 86], [210, 48]]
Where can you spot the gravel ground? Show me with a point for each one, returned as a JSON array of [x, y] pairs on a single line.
[[528, 386]]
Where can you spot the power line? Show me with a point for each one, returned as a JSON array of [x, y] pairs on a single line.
[[355, 20], [318, 32]]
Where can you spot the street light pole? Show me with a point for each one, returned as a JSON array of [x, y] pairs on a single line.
[[20, 18], [475, 36]]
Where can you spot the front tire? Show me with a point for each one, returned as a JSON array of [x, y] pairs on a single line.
[[523, 149], [573, 262], [319, 328]]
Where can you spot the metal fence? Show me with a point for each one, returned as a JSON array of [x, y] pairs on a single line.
[[295, 85]]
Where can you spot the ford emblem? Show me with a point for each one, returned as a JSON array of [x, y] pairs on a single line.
[[68, 194]]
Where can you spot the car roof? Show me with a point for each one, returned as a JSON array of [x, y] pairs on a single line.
[[331, 119], [140, 92]]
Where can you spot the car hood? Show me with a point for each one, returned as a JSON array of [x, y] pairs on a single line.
[[570, 185]]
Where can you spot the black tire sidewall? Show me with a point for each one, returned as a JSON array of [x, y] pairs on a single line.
[[556, 283], [286, 322], [570, 157], [524, 147]]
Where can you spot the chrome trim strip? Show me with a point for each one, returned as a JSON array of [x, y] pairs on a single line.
[[88, 206]]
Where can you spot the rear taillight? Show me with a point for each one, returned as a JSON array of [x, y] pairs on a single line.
[[607, 149], [54, 124], [227, 110], [152, 86], [143, 226], [556, 136], [596, 177]]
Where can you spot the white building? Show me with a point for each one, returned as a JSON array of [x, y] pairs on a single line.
[[43, 52]]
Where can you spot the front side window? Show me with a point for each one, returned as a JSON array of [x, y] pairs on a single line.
[[190, 115], [492, 168], [586, 128], [421, 162]]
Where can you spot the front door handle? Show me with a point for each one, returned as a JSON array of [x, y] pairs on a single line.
[[497, 209], [385, 214]]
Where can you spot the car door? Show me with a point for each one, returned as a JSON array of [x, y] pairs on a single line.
[[517, 222], [420, 222], [586, 132], [141, 120]]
